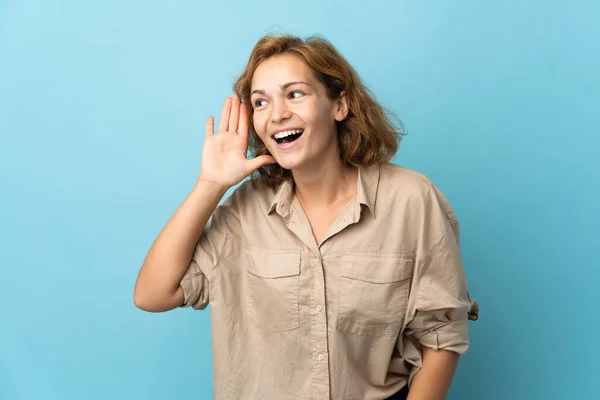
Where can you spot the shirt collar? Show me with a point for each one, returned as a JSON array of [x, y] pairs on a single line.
[[368, 181], [282, 199]]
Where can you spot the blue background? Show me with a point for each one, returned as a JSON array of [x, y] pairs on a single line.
[[102, 112]]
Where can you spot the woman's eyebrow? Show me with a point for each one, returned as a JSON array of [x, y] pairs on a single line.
[[287, 85], [283, 87]]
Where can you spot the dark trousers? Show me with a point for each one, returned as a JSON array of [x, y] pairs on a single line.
[[401, 395]]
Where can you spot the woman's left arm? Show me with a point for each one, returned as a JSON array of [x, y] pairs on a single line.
[[436, 330], [433, 380]]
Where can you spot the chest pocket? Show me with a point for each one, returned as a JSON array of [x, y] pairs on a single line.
[[272, 280], [373, 294]]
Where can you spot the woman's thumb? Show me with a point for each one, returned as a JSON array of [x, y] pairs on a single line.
[[260, 161]]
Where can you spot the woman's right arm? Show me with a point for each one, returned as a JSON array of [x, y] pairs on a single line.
[[224, 165], [157, 286]]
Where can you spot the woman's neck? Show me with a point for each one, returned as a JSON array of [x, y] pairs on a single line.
[[325, 185]]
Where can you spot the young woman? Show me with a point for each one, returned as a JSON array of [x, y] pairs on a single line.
[[331, 274]]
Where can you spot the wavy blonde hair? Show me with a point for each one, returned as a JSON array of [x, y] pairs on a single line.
[[369, 135]]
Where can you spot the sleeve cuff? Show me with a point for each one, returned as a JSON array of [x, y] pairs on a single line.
[[451, 336], [195, 288]]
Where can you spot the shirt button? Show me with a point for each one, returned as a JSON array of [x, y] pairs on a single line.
[[320, 357], [319, 308]]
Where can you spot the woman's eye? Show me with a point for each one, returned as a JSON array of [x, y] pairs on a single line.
[[296, 94], [258, 103]]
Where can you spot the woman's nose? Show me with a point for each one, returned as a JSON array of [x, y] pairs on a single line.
[[279, 111]]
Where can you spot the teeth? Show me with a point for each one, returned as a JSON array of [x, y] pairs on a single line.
[[283, 134]]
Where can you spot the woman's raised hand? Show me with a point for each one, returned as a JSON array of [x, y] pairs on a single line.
[[224, 159]]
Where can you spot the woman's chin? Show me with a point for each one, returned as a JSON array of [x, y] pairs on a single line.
[[287, 163]]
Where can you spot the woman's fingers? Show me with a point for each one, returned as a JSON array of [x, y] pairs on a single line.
[[225, 113], [243, 126], [210, 126], [234, 116]]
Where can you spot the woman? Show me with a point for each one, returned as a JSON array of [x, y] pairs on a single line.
[[331, 274]]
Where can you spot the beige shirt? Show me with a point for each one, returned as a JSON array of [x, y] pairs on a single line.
[[345, 319]]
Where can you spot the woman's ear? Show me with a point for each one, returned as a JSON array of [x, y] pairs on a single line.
[[341, 111]]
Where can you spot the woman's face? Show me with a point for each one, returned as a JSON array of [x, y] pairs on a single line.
[[293, 115]]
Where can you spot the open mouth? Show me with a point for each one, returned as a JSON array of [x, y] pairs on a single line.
[[288, 136]]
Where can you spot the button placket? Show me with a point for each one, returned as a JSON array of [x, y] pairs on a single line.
[[319, 332]]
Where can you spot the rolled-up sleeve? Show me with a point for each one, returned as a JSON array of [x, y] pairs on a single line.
[[439, 305], [195, 288], [211, 248]]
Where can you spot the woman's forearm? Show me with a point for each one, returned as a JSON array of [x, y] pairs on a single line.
[[157, 286], [433, 381]]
